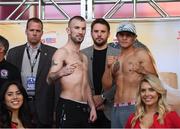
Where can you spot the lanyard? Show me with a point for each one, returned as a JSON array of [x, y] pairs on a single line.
[[34, 61]]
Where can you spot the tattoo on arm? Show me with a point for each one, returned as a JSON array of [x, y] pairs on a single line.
[[116, 67]]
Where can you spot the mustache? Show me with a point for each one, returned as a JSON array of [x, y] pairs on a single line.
[[99, 38]]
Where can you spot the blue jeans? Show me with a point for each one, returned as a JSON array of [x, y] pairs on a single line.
[[120, 115]]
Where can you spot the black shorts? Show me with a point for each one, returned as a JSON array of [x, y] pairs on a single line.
[[72, 114]]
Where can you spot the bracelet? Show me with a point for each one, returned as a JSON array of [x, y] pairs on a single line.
[[102, 96]]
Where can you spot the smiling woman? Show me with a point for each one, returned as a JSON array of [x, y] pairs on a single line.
[[14, 111], [151, 108]]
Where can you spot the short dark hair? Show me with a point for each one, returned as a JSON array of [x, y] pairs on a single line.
[[5, 43], [76, 17], [34, 19], [100, 21]]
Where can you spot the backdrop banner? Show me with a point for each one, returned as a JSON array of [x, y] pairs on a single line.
[[161, 37]]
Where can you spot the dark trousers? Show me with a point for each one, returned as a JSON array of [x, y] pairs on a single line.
[[102, 121], [36, 122], [71, 114]]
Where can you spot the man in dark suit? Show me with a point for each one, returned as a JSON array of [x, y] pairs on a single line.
[[33, 59]]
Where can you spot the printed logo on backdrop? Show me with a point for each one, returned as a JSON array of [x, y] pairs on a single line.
[[49, 37]]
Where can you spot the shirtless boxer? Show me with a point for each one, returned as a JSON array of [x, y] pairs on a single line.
[[126, 71], [69, 67]]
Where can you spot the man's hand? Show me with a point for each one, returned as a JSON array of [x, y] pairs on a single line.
[[93, 115], [67, 70], [98, 100], [139, 68], [111, 60], [101, 107]]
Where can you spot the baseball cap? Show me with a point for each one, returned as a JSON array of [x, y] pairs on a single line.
[[126, 27]]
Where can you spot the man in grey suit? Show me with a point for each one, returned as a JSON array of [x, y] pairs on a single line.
[[33, 59], [97, 54]]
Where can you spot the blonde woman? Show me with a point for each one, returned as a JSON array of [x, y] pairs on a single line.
[[151, 108]]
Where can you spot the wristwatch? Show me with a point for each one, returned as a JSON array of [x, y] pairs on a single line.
[[102, 96]]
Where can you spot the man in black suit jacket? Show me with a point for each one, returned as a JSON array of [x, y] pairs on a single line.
[[33, 59]]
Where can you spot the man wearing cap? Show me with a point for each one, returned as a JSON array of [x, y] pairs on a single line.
[[8, 72], [126, 70]]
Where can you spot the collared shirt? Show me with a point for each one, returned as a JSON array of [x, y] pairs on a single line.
[[26, 70]]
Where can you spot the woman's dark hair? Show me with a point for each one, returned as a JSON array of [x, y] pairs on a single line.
[[6, 115]]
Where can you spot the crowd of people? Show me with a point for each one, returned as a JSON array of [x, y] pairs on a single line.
[[101, 86]]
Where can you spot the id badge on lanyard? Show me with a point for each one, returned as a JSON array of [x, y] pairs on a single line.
[[31, 80]]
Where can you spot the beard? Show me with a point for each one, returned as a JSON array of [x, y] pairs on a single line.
[[99, 43], [77, 39]]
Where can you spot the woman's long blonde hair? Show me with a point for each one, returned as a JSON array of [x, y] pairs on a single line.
[[162, 107]]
